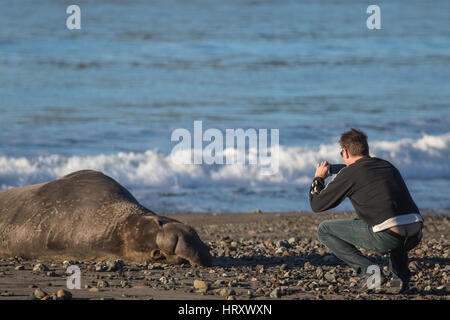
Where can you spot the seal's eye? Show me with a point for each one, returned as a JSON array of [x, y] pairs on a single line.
[[156, 254]]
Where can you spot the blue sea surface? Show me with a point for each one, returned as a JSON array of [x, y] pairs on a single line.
[[108, 96]]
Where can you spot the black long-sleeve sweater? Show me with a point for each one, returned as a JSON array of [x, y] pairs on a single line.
[[374, 186]]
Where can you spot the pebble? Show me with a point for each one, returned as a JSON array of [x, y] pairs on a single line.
[[282, 244], [319, 272], [63, 295], [115, 265], [99, 267], [218, 282], [330, 276], [312, 285], [413, 265], [200, 284], [38, 294], [19, 268], [6, 294], [276, 293], [154, 266], [40, 267], [163, 280], [102, 284], [225, 292]]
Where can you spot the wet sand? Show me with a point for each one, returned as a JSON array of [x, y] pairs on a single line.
[[257, 256]]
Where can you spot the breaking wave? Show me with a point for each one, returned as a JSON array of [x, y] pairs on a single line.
[[425, 158]]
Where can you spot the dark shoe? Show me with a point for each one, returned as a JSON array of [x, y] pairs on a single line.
[[396, 286]]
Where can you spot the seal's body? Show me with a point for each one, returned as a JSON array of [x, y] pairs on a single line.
[[88, 215]]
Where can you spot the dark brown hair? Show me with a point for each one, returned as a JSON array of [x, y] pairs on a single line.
[[355, 142]]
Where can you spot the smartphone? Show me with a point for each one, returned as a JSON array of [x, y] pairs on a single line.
[[335, 168]]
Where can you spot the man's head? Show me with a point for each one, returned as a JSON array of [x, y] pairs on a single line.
[[354, 146]]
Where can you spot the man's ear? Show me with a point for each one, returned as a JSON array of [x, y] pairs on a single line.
[[347, 154]]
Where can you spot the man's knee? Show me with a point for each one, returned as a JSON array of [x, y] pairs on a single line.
[[323, 228]]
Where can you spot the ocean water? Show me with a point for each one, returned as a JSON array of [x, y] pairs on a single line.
[[108, 96]]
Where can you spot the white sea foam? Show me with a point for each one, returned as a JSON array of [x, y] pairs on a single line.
[[424, 158]]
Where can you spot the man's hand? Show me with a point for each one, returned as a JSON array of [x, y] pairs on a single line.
[[322, 170]]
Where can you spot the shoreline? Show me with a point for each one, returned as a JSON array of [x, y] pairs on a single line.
[[257, 256]]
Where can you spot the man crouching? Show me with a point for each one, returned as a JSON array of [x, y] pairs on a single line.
[[389, 220]]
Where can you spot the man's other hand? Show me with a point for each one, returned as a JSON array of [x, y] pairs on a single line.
[[322, 170]]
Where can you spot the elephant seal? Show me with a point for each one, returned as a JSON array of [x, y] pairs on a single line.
[[88, 215]]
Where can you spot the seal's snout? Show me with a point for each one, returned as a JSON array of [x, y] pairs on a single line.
[[180, 242]]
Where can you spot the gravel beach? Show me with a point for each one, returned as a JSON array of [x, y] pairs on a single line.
[[257, 256]]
